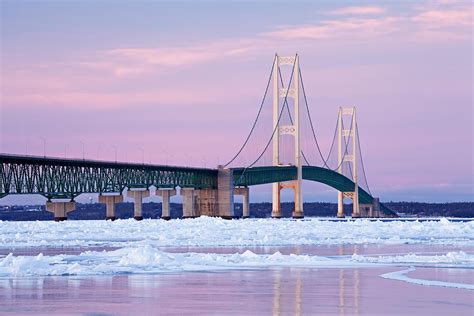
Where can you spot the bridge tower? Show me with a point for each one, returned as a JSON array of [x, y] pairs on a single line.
[[344, 156], [292, 130]]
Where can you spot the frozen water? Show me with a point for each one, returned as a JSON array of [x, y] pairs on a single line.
[[147, 259], [141, 246], [401, 276], [207, 231]]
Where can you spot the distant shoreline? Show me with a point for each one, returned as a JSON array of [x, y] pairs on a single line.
[[96, 211]]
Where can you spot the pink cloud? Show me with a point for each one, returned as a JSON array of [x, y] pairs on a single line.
[[444, 18], [426, 23], [333, 29], [130, 60], [367, 10]]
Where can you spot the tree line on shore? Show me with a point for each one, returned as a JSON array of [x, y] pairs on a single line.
[[89, 211]]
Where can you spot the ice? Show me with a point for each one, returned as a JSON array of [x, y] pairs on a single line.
[[401, 276], [211, 232], [451, 258], [148, 259], [142, 245]]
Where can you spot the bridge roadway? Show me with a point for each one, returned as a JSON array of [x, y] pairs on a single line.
[[205, 191]]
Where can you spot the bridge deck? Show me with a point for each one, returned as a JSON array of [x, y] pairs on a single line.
[[67, 178], [56, 177]]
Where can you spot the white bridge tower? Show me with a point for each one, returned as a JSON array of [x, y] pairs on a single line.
[[293, 130], [345, 156]]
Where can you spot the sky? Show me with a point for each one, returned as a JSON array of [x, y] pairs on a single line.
[[180, 83]]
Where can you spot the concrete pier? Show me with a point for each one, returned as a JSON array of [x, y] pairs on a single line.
[[276, 204], [370, 210], [225, 194], [376, 208], [138, 195], [60, 209], [189, 203], [165, 204], [340, 205], [206, 202], [244, 192], [110, 200]]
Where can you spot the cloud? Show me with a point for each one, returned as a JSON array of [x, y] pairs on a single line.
[[131, 61], [425, 23], [89, 81], [437, 22], [452, 24], [330, 29], [371, 10], [444, 18]]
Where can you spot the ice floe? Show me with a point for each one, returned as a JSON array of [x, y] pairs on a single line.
[[207, 231], [401, 276], [148, 259]]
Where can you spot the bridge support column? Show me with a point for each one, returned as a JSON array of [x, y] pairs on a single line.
[[206, 202], [376, 207], [276, 205], [165, 203], [189, 203], [138, 195], [245, 200], [355, 205], [225, 193], [110, 201], [366, 210], [340, 205], [60, 209]]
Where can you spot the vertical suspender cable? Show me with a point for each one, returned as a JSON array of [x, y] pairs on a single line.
[[258, 115]]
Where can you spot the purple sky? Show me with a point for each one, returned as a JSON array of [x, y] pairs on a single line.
[[182, 81]]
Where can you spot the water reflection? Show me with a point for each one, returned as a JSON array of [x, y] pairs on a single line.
[[276, 292], [280, 291], [341, 292], [299, 286]]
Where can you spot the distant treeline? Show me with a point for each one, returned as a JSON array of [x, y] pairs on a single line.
[[259, 210], [457, 209]]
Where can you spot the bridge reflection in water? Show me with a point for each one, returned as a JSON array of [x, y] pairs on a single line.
[[277, 291], [348, 285]]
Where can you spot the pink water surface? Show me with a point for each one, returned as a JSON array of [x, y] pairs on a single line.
[[270, 291], [276, 291]]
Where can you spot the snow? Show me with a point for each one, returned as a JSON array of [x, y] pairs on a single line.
[[401, 276], [148, 259], [211, 232], [451, 258], [139, 247]]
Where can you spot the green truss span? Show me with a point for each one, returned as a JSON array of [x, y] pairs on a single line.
[[263, 175], [67, 178]]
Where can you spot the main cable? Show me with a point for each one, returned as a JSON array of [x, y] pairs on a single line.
[[346, 142], [258, 114], [289, 112], [311, 121], [362, 159], [274, 129]]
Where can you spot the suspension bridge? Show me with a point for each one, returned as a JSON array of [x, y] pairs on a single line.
[[274, 152]]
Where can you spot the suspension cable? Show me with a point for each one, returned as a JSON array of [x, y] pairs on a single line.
[[311, 121], [333, 139], [348, 165], [285, 104], [346, 142], [274, 129], [362, 160], [258, 115]]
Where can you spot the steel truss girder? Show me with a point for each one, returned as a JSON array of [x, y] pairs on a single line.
[[64, 178]]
